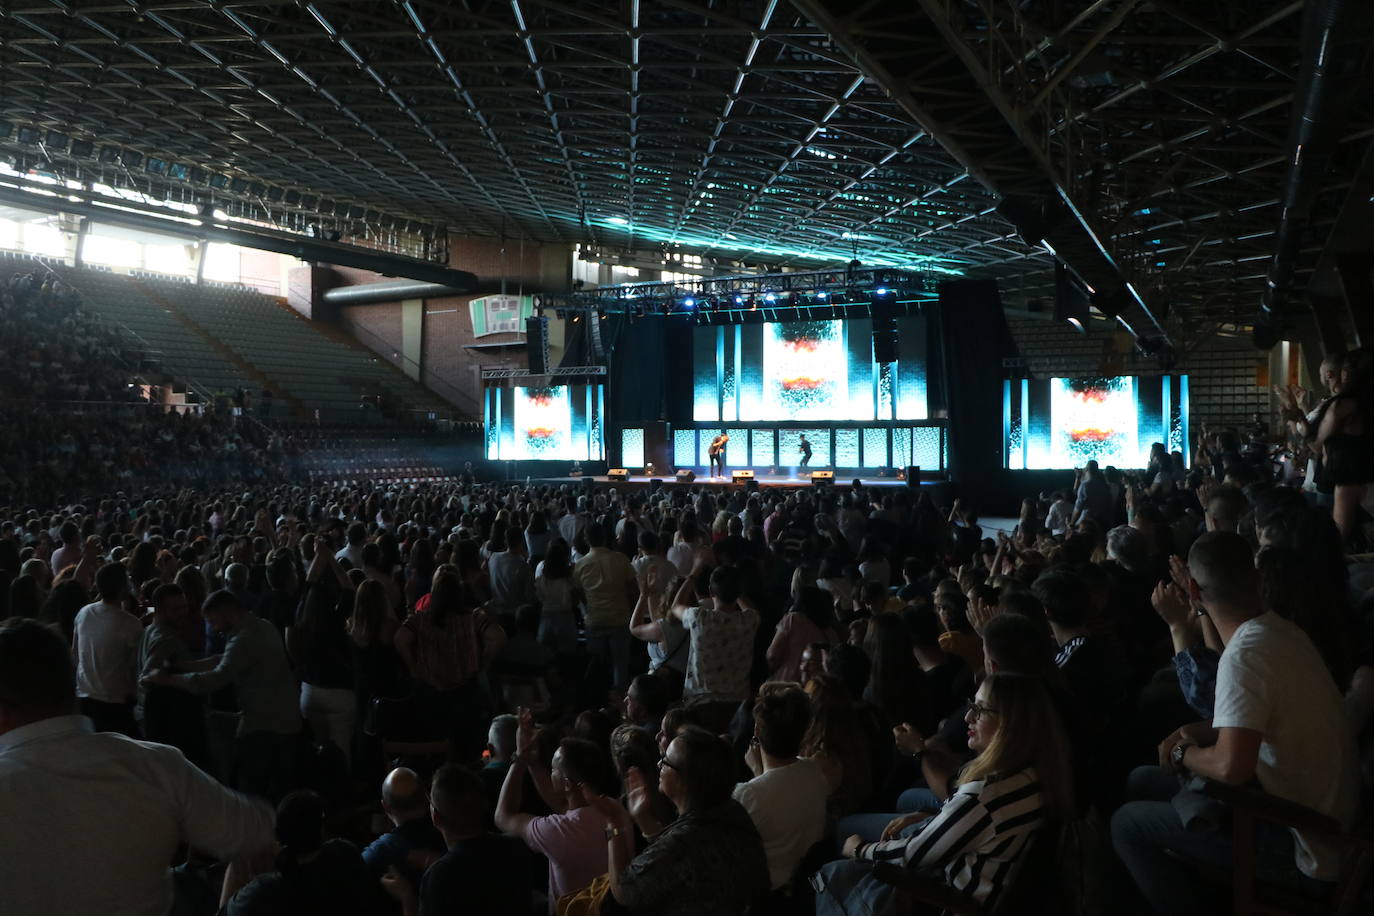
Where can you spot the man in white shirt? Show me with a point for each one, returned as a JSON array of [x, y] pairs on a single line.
[[91, 820], [786, 797], [105, 645], [512, 579], [1278, 719]]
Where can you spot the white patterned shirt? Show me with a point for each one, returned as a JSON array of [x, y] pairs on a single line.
[[720, 654]]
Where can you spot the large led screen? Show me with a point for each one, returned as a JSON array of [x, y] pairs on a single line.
[[551, 423], [1065, 422], [807, 371]]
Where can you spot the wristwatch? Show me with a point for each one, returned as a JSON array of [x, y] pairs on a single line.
[[612, 833], [1176, 756]]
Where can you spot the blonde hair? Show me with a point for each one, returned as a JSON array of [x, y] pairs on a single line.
[[1029, 735]]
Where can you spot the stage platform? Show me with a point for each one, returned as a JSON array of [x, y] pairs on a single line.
[[764, 482]]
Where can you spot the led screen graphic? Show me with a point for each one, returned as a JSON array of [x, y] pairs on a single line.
[[807, 371], [1063, 423], [806, 377], [549, 423]]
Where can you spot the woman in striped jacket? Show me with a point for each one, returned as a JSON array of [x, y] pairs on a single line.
[[1019, 781]]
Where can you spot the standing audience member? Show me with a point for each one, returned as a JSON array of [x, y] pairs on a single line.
[[106, 649], [91, 820]]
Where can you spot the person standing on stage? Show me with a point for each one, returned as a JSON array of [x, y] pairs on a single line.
[[717, 453], [805, 447]]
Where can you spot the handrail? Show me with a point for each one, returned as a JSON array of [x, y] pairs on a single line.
[[426, 379]]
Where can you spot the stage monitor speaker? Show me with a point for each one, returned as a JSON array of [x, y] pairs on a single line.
[[618, 474], [822, 477], [742, 475], [686, 475], [537, 344], [913, 475]]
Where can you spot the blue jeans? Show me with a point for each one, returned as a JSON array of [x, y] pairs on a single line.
[[1147, 829], [870, 827]]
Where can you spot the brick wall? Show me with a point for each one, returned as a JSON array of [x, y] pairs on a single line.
[[377, 327], [1223, 372]]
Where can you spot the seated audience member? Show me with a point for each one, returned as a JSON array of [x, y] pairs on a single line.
[[786, 797], [811, 620], [1090, 667], [480, 873], [1278, 718], [254, 662], [959, 637], [948, 679], [709, 860], [407, 807], [313, 876], [106, 649], [574, 840], [646, 701], [91, 819], [1019, 781]]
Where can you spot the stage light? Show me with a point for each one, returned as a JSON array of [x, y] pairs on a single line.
[[689, 302], [769, 297], [822, 295], [880, 291], [739, 300]]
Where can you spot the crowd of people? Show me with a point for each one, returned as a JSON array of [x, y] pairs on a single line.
[[678, 701]]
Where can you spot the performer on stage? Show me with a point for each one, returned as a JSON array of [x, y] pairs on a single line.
[[805, 447], [717, 453]]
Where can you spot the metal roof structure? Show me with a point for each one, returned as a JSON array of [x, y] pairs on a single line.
[[1152, 144]]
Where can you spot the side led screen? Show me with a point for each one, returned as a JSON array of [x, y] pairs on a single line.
[[554, 423], [1063, 423], [806, 371]]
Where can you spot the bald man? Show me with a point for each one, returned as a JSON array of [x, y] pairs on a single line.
[[407, 807]]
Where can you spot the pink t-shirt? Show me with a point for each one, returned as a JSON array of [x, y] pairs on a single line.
[[575, 845]]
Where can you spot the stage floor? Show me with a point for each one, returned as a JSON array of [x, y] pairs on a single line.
[[761, 479]]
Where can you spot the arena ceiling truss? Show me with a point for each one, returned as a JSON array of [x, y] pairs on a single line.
[[1148, 142]]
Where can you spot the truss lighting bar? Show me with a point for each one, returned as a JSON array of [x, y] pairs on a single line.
[[843, 292]]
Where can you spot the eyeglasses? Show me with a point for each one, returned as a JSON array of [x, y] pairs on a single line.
[[978, 710]]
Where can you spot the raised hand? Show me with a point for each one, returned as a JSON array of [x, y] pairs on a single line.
[[1171, 604], [908, 739], [979, 613], [637, 793], [525, 732]]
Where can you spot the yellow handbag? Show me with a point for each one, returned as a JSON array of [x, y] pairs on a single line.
[[588, 900]]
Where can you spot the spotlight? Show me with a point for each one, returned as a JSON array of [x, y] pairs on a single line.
[[822, 295], [689, 302], [769, 297], [739, 300], [880, 291]]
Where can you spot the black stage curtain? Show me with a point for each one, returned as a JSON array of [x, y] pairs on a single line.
[[650, 369], [975, 338]]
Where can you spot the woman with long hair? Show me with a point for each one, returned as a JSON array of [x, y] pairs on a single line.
[[419, 570], [837, 743], [811, 620], [537, 535], [1019, 782], [896, 684], [553, 586]]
